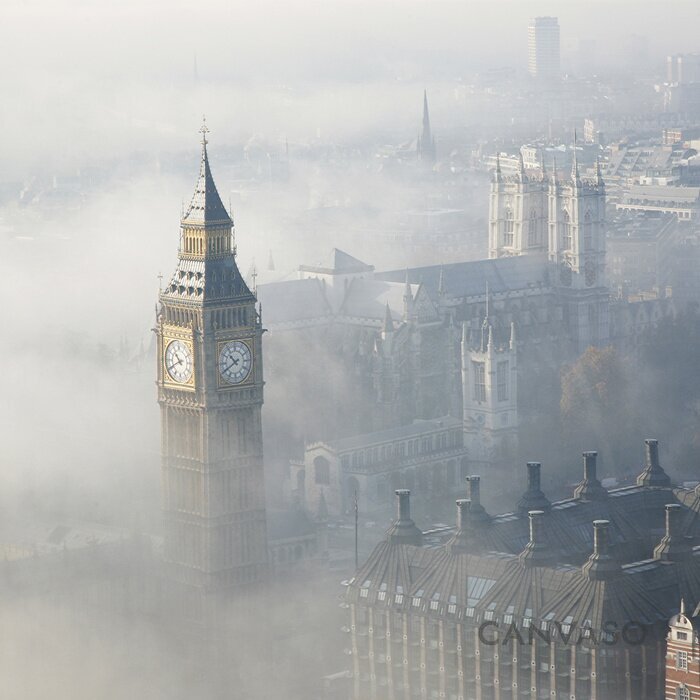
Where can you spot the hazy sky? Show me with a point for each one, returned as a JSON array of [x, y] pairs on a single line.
[[86, 79]]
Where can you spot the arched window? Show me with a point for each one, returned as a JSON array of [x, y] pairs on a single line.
[[683, 693], [532, 237], [509, 228], [566, 231]]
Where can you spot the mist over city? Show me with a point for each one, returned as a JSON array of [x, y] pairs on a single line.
[[351, 350]]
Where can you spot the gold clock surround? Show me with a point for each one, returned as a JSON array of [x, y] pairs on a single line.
[[222, 383], [184, 335]]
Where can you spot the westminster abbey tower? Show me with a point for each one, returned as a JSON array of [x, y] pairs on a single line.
[[210, 391]]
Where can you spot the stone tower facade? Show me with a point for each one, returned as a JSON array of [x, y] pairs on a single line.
[[517, 213], [564, 219], [489, 392], [210, 391]]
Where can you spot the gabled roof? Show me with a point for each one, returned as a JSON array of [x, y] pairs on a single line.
[[338, 262]]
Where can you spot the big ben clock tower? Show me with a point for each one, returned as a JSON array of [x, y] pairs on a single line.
[[210, 391]]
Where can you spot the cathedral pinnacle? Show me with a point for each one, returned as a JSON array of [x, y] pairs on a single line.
[[574, 163]]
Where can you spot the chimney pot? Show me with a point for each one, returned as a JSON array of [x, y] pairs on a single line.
[[652, 452], [474, 488], [589, 465], [673, 514], [403, 501], [533, 476], [463, 508], [601, 543], [536, 525]]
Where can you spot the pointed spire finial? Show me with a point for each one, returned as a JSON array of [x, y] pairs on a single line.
[[521, 166], [441, 282], [543, 165], [574, 162], [598, 173], [204, 130], [682, 606], [497, 174], [513, 339]]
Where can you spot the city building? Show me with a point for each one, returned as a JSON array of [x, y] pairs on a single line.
[[543, 60], [566, 599], [210, 391], [683, 655]]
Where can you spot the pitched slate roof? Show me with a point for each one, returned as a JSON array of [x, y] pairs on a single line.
[[468, 279], [490, 580], [338, 262]]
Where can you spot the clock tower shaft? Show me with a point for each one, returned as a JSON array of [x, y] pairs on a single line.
[[210, 391]]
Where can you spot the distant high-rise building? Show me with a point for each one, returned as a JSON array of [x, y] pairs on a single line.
[[683, 68], [543, 48]]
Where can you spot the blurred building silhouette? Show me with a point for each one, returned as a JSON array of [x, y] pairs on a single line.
[[543, 60]]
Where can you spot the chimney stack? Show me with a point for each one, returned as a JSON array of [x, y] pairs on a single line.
[[590, 489], [653, 474], [601, 565], [538, 551], [477, 512], [403, 529], [674, 545], [533, 498], [463, 507]]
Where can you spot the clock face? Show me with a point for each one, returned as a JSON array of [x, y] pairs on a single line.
[[178, 361], [235, 361]]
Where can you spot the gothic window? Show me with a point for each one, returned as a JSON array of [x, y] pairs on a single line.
[[322, 471], [479, 382], [683, 693], [502, 380], [566, 231], [587, 232], [510, 227], [532, 237], [682, 660]]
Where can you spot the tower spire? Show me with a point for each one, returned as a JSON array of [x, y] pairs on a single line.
[[426, 143], [206, 206]]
